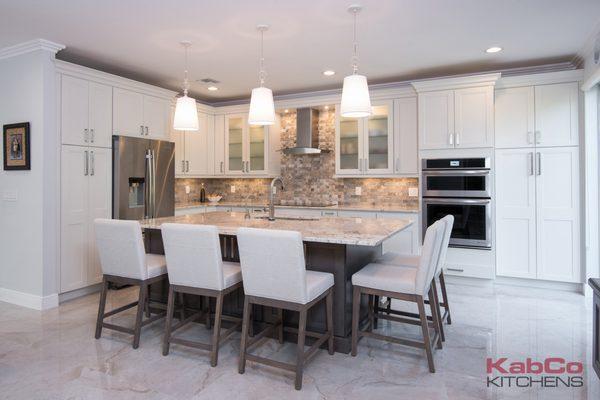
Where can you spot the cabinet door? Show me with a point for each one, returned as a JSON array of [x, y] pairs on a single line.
[[257, 142], [379, 139], [177, 137], [405, 136], [474, 117], [234, 143], [156, 117], [436, 120], [557, 191], [405, 241], [128, 113], [514, 117], [196, 148], [74, 110], [219, 144], [556, 114], [349, 144], [100, 115], [74, 218], [515, 213], [99, 205]]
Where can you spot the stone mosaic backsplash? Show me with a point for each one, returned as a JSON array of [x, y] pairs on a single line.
[[308, 179]]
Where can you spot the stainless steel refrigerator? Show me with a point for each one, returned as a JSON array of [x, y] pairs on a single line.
[[143, 178]]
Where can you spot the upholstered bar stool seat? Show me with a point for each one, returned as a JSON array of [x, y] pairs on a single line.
[[196, 267], [386, 277], [124, 261], [275, 275]]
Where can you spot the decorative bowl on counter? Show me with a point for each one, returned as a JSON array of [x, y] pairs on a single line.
[[214, 198]]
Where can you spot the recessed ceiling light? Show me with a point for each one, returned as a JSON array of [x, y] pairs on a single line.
[[494, 49], [213, 88], [329, 72]]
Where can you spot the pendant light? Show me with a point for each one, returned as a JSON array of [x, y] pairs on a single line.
[[186, 113], [262, 109], [356, 102]]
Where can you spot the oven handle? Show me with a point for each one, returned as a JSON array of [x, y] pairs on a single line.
[[457, 172], [456, 201]]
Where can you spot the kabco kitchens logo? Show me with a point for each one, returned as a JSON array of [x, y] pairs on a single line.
[[548, 373]]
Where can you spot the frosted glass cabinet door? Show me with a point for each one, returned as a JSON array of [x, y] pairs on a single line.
[[348, 135], [379, 139], [234, 130], [257, 148]]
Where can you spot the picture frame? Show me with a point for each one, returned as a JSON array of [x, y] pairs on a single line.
[[17, 146]]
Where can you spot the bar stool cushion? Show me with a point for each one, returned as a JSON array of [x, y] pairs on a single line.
[[392, 278], [394, 258], [317, 283], [156, 264], [232, 273]]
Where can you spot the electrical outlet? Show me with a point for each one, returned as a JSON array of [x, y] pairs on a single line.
[[232, 188], [358, 190], [274, 190], [187, 189], [413, 192]]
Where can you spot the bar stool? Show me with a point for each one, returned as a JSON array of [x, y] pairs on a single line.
[[412, 261], [408, 284], [275, 275], [196, 267], [124, 261]]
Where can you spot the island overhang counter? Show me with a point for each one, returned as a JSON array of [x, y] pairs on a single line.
[[337, 245]]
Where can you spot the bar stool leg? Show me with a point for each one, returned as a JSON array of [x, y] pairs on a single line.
[[138, 317], [170, 309], [280, 329], [243, 344], [425, 329], [445, 296], [329, 305], [300, 351], [355, 313], [438, 311], [101, 307], [371, 318], [435, 317], [207, 310], [147, 303], [214, 353], [182, 303]]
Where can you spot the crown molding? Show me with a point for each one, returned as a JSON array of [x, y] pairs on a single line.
[[30, 46], [541, 78], [456, 82]]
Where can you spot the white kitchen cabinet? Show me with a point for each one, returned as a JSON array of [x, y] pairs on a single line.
[[246, 146], [405, 136], [406, 241], [461, 118], [86, 112], [556, 114], [514, 117], [85, 195], [138, 114], [537, 213], [366, 145], [196, 148], [219, 145]]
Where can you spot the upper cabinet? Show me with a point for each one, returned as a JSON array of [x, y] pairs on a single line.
[[246, 146], [436, 119], [543, 115], [137, 114], [405, 136], [193, 149], [86, 112]]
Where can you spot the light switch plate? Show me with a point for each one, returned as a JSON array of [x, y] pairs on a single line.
[[9, 195], [187, 189], [413, 192], [358, 190], [232, 188]]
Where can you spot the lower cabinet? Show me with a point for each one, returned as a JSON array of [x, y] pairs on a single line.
[[85, 195], [406, 241]]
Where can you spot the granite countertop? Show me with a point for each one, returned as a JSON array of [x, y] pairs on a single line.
[[352, 231], [383, 207]]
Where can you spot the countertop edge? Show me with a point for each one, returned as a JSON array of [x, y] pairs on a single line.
[[335, 207]]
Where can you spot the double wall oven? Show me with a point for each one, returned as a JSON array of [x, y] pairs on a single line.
[[460, 187]]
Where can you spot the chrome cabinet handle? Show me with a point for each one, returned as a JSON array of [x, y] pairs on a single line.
[[142, 130], [451, 139], [146, 131], [85, 135], [92, 135], [539, 163], [538, 137], [529, 137], [457, 139], [455, 269], [92, 163], [187, 166], [85, 163], [182, 165], [222, 166], [530, 156], [397, 164]]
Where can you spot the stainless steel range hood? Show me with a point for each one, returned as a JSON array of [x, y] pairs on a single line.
[[307, 133]]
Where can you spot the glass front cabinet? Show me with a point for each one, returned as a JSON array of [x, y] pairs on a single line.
[[365, 145], [245, 146]]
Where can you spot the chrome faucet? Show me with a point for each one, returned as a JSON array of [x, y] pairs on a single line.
[[271, 189]]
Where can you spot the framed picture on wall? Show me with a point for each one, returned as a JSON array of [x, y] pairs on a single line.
[[17, 147]]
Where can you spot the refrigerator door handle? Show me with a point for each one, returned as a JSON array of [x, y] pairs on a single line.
[[85, 163], [148, 184], [153, 184]]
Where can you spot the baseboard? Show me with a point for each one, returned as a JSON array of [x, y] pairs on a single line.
[[521, 282], [28, 300], [73, 294]]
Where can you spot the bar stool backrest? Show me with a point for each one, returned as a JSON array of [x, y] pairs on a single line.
[[448, 221], [273, 264], [193, 254], [121, 248], [429, 256]]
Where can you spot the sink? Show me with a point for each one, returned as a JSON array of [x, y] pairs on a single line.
[[288, 218]]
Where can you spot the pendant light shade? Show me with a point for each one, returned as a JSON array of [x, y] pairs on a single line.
[[186, 113], [262, 108], [356, 102]]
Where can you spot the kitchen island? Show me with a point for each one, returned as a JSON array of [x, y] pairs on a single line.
[[340, 246]]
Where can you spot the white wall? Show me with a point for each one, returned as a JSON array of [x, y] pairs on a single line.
[[28, 226]]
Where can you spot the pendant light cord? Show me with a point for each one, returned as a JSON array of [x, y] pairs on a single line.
[[261, 71], [355, 45], [186, 83]]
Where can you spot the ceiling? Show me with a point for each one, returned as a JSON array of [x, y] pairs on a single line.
[[398, 40]]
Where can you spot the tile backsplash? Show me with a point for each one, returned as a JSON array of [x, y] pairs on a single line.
[[308, 179]]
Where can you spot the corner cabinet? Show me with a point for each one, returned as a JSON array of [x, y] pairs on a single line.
[[137, 114], [246, 146]]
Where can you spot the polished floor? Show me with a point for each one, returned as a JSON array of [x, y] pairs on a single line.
[[53, 355]]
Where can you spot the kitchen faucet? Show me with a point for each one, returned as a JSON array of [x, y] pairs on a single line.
[[271, 189]]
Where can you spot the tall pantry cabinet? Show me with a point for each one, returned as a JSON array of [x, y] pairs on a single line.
[[537, 182]]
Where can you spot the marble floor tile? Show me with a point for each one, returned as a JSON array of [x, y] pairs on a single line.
[[53, 354]]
